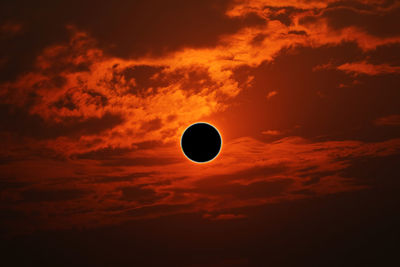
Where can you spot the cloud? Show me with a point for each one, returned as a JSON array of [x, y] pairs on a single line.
[[376, 21], [391, 120], [154, 211], [103, 154], [127, 29], [152, 125], [9, 29], [262, 189], [52, 195], [141, 161], [364, 67], [248, 173], [140, 195], [123, 178], [271, 132], [19, 121], [137, 96], [271, 94]]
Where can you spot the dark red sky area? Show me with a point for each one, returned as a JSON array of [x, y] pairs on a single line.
[[94, 97]]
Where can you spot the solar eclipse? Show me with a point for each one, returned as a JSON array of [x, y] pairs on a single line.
[[201, 142]]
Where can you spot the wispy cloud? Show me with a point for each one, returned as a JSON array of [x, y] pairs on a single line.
[[364, 67]]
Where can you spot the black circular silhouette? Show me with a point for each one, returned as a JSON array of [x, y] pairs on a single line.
[[201, 142]]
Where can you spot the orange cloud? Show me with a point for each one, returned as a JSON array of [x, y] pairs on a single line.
[[271, 132], [364, 67], [271, 94], [112, 186]]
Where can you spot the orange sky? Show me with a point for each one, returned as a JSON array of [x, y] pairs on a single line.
[[94, 98]]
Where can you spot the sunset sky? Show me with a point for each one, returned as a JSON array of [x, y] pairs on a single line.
[[95, 95]]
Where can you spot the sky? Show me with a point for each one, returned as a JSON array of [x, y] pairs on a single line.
[[94, 97]]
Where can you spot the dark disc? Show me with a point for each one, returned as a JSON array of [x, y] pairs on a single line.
[[201, 142]]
